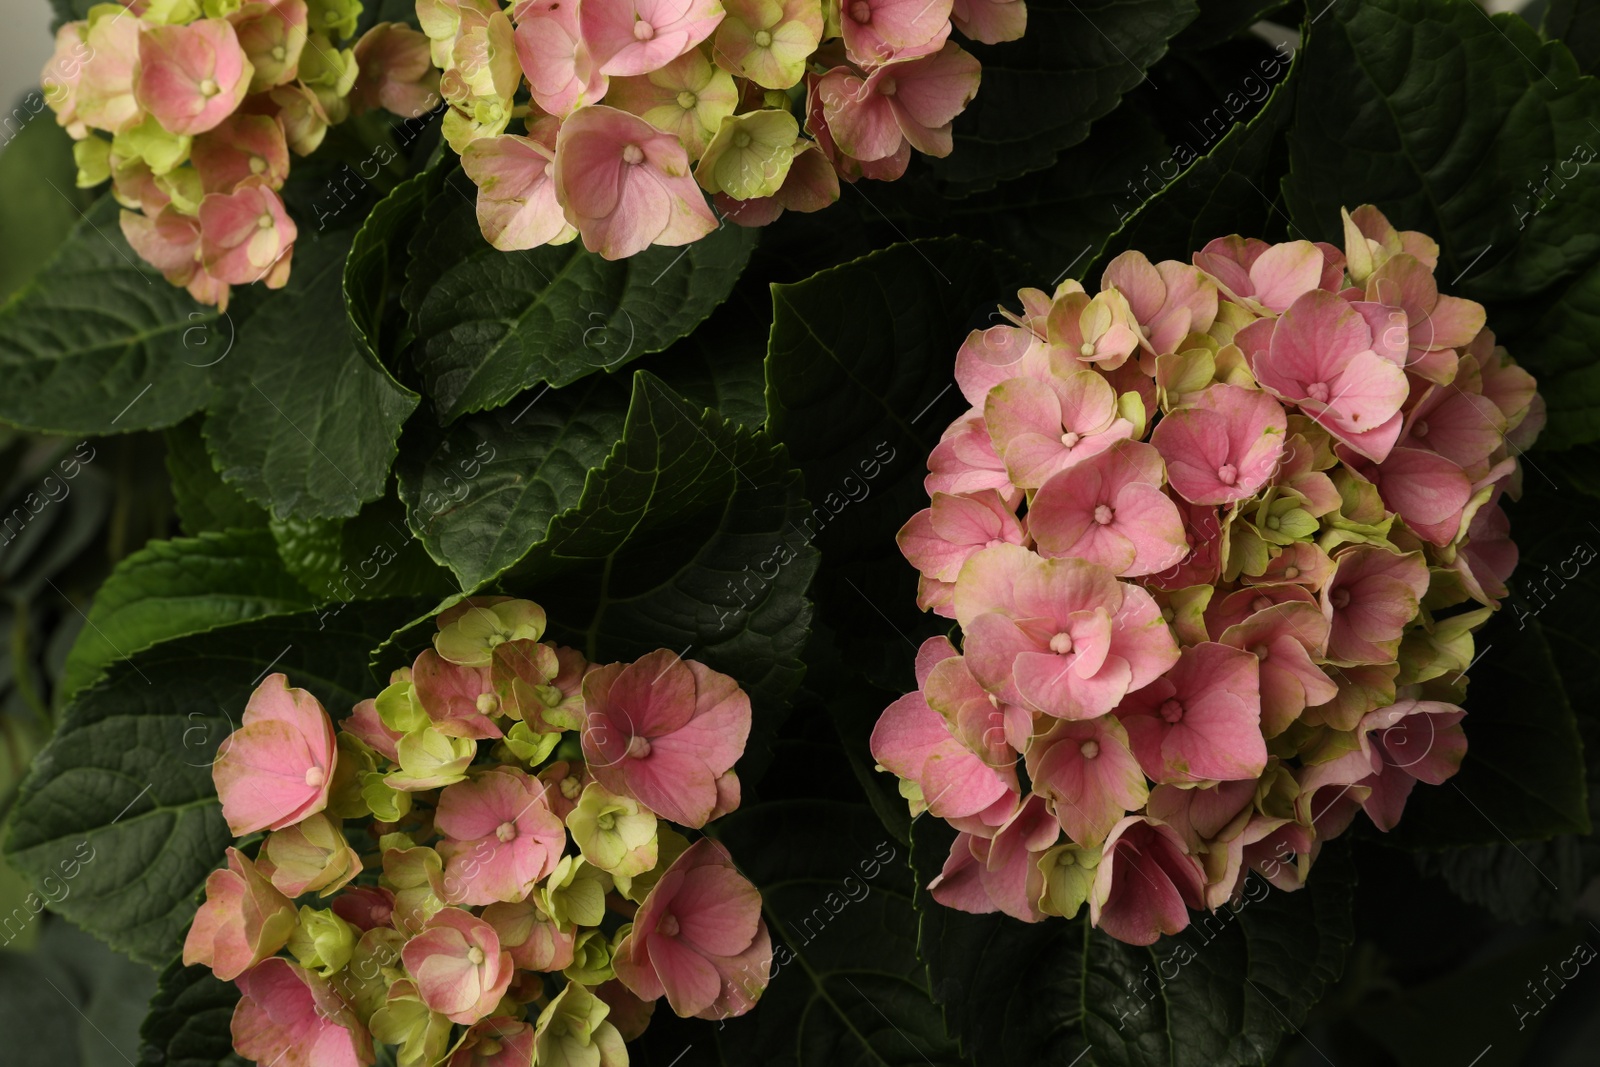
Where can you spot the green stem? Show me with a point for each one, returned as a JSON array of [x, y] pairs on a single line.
[[592, 636]]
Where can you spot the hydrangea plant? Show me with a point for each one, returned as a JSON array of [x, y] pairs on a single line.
[[1248, 513], [637, 109], [1216, 538], [191, 110], [476, 866]]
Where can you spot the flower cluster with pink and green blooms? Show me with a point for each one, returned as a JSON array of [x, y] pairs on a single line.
[[476, 866], [1217, 538], [191, 108], [636, 109]]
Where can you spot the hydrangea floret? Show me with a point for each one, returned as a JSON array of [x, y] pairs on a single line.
[[614, 120], [191, 110], [1216, 539], [478, 865]]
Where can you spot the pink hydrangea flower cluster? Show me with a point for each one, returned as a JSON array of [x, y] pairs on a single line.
[[476, 866], [1217, 538], [637, 109], [192, 107]]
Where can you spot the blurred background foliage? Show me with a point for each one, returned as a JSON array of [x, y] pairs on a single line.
[[61, 533]]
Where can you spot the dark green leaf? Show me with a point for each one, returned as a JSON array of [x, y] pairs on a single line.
[[174, 588], [1523, 777], [1558, 347], [721, 365], [482, 492], [1225, 191], [374, 273], [336, 187], [69, 10], [1576, 468], [121, 803], [860, 374], [188, 1024], [671, 464], [1452, 1018], [490, 324], [1556, 583], [18, 901], [1523, 774], [854, 706], [1520, 883], [367, 557], [305, 424], [39, 202], [1040, 93], [1221, 20], [1445, 117], [1058, 993], [859, 387], [848, 987], [1577, 24], [100, 343], [204, 502], [1555, 589], [687, 537], [386, 11], [1057, 217]]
